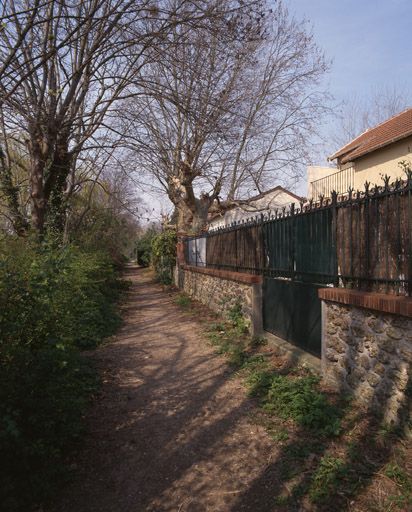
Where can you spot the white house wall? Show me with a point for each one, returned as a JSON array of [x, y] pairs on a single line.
[[266, 204]]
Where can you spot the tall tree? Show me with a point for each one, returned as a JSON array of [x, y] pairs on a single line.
[[231, 109], [64, 67]]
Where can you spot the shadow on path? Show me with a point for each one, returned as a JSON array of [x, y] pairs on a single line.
[[171, 428]]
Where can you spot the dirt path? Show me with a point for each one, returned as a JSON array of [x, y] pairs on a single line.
[[171, 430]]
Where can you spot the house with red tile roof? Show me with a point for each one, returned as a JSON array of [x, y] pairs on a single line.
[[375, 153]]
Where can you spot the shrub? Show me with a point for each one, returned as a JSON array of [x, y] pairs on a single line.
[[43, 395], [144, 248], [56, 295], [164, 255], [55, 301]]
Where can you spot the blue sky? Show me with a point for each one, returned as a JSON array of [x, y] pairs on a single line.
[[370, 45], [369, 42]]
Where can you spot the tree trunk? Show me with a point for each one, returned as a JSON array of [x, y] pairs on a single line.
[[184, 217], [192, 218], [55, 189], [11, 193], [199, 222], [38, 202]]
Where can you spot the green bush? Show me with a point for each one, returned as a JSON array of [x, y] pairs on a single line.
[[54, 302], [144, 248], [164, 255], [55, 295], [43, 395]]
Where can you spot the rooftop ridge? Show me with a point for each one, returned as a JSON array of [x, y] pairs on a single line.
[[381, 138]]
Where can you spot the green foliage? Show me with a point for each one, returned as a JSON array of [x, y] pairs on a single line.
[[236, 317], [299, 399], [258, 341], [164, 255], [217, 327], [326, 479], [290, 397], [398, 475], [279, 436], [43, 395], [55, 295], [55, 300], [229, 341], [255, 363], [100, 225], [183, 300], [144, 247], [259, 382], [403, 480]]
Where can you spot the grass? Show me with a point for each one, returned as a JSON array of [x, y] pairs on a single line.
[[327, 478], [300, 399], [295, 397], [330, 452], [183, 300]]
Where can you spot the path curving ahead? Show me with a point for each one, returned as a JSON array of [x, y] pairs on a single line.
[[171, 430]]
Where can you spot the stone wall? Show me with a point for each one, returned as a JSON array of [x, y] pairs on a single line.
[[368, 353], [221, 291]]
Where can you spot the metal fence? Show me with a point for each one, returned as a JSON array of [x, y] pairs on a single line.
[[338, 182], [357, 240]]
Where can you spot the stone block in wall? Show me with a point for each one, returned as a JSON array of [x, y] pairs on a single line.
[[221, 291], [368, 353]]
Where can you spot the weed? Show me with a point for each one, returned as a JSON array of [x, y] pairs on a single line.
[[237, 356], [214, 339], [258, 341], [230, 341], [282, 500], [259, 382], [255, 363], [299, 399], [399, 476], [353, 452], [216, 327], [302, 450], [280, 435], [294, 398], [223, 346], [237, 319], [326, 478], [183, 300], [388, 431]]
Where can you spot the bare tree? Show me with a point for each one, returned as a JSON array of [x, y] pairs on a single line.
[[359, 113], [105, 213], [64, 66], [232, 109]]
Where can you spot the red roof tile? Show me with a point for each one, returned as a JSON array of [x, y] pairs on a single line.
[[396, 128]]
